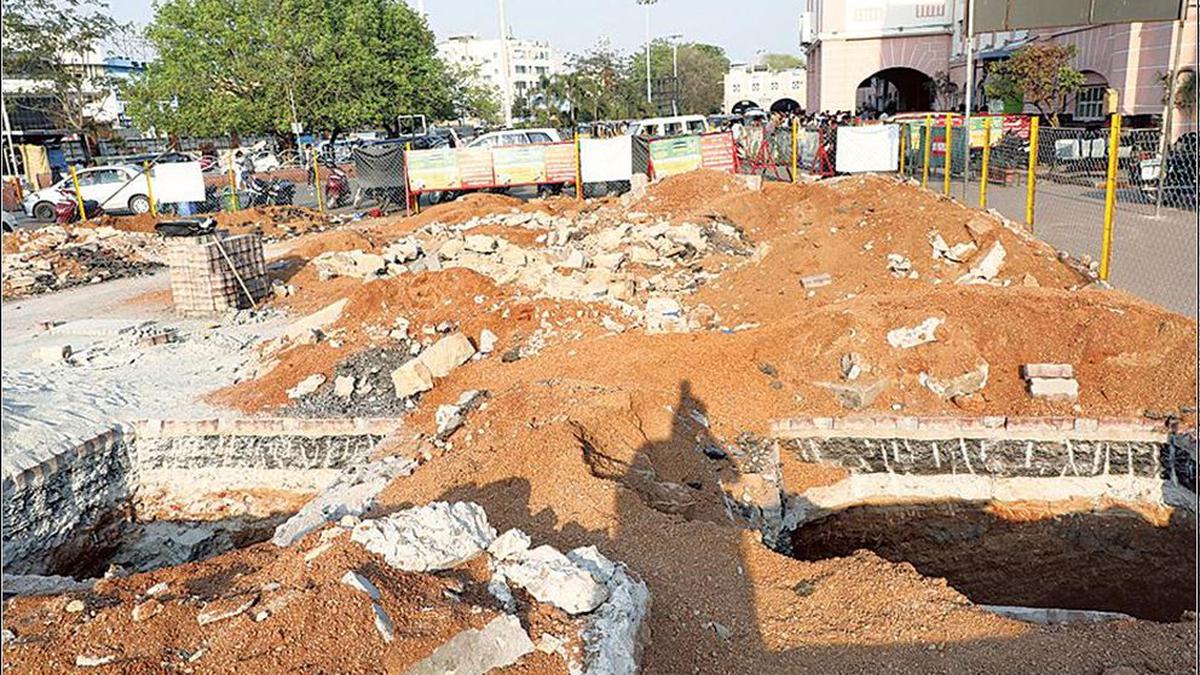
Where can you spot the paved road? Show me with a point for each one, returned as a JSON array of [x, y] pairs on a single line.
[[1155, 258]]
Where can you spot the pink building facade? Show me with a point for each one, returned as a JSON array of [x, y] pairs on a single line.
[[850, 41]]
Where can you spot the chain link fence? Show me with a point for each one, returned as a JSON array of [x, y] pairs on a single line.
[[1064, 194]]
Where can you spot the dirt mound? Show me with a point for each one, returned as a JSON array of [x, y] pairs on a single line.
[[685, 192]]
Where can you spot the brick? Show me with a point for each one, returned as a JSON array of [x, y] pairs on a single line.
[[865, 423], [1055, 389], [1047, 370]]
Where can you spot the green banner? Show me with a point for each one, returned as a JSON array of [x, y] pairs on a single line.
[[670, 156]]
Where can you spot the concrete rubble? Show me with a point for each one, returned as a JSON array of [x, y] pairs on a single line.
[[1051, 381], [56, 257], [907, 338]]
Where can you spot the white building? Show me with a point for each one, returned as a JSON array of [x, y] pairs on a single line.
[[528, 61], [754, 83]]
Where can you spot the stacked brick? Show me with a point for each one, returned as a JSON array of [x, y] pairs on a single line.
[[203, 281]]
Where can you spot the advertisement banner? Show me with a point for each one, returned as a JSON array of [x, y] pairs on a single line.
[[435, 169], [560, 162], [519, 164], [716, 151], [669, 156], [475, 167]]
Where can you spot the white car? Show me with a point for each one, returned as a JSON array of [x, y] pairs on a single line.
[[114, 187], [496, 139]]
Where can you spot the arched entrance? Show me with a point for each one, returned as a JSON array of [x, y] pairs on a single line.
[[894, 90], [742, 106], [786, 106]]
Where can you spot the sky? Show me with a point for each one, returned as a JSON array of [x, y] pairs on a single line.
[[741, 27]]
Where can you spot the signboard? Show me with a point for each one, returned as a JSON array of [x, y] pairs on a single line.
[[1004, 15], [669, 156], [716, 151], [435, 169], [868, 148], [519, 164], [177, 182], [606, 159]]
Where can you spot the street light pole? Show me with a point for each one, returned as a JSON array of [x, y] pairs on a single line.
[[647, 3], [970, 81], [506, 82], [674, 38]]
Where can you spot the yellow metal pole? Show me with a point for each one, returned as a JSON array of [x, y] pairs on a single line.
[[948, 158], [407, 194], [233, 188], [149, 189], [1031, 178], [578, 170], [903, 133], [317, 182], [78, 194], [417, 200], [795, 150], [987, 153], [1110, 195], [928, 142]]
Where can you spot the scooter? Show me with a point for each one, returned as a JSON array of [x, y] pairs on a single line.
[[66, 209], [337, 187], [275, 192]]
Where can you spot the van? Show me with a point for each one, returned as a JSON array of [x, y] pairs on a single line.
[[680, 125]]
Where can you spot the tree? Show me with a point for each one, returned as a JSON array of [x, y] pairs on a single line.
[[253, 66], [776, 62], [469, 97], [943, 92], [702, 69], [1039, 73], [47, 43]]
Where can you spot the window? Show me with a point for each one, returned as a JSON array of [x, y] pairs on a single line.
[[99, 177], [1089, 103], [539, 137], [737, 88], [754, 87], [512, 139], [774, 86], [695, 126], [521, 69]]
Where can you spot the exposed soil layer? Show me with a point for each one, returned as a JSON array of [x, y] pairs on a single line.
[[1113, 559]]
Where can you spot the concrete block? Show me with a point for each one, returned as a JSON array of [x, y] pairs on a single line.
[[1047, 370], [816, 280], [1057, 389]]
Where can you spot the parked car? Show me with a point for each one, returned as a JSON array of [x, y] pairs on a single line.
[[114, 187], [680, 125], [496, 139], [1179, 183]]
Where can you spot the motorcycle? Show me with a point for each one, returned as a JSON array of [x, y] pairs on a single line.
[[66, 209], [337, 187], [273, 192]]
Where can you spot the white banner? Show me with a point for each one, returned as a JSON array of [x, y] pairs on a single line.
[[870, 148], [177, 182], [606, 159]]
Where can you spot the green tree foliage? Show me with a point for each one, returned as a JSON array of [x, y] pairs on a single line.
[[470, 98], [778, 62], [45, 41], [702, 69], [252, 66], [1039, 73], [593, 86]]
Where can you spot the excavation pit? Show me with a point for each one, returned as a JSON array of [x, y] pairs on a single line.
[[1139, 562], [1049, 513], [159, 493]]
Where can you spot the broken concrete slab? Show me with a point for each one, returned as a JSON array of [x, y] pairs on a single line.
[[856, 395], [343, 386], [986, 268], [551, 577], [447, 354], [480, 243], [302, 330], [512, 543], [501, 643], [907, 338], [816, 280], [362, 584], [411, 378], [434, 537], [306, 386], [966, 384], [664, 315], [980, 226]]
